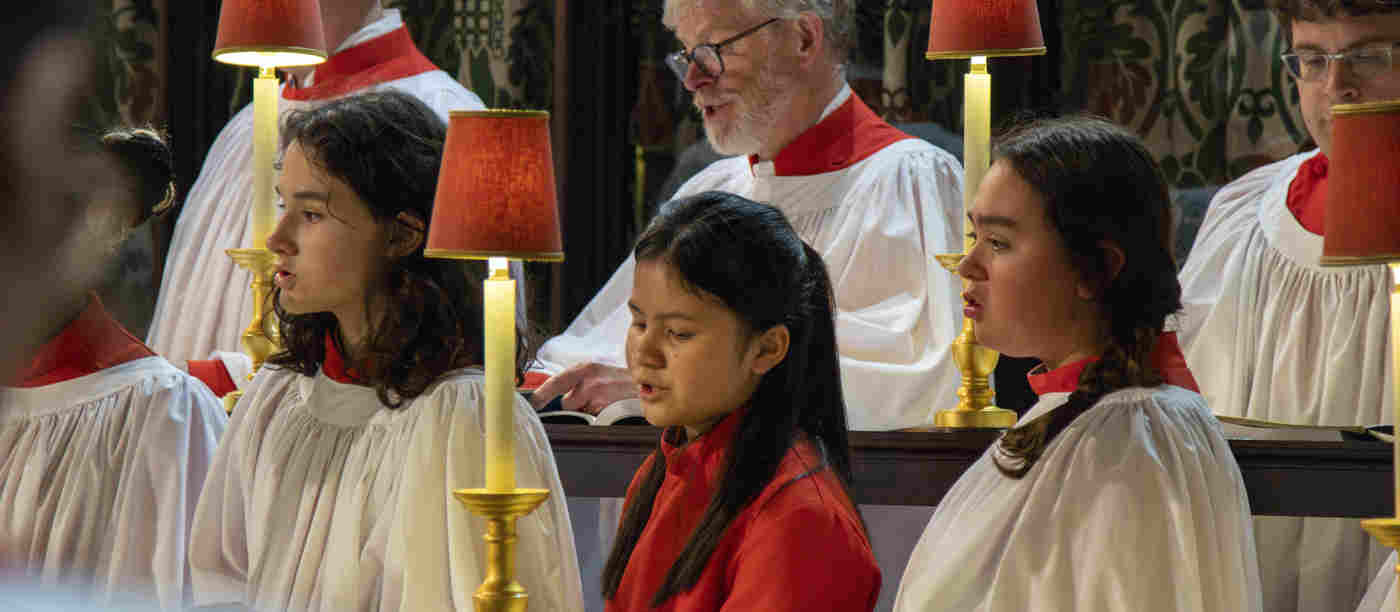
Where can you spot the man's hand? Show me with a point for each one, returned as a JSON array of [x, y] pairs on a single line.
[[586, 387]]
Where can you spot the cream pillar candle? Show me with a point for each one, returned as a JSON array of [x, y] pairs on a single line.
[[262, 216], [977, 132], [499, 304]]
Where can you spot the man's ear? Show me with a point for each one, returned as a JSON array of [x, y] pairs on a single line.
[[772, 348], [406, 234], [811, 39]]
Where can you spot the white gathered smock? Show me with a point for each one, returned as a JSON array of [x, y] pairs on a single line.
[[877, 224], [98, 480], [204, 301], [1271, 334], [320, 498], [1137, 506]]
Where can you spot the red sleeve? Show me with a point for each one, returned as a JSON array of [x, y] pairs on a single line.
[[533, 380], [803, 558], [214, 374]]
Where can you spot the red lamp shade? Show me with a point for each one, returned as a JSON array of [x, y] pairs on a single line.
[[1362, 225], [991, 28], [495, 193], [270, 33]]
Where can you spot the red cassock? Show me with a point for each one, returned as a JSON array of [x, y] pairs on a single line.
[[799, 545]]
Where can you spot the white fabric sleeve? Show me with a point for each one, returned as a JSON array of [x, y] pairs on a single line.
[[218, 554], [897, 309], [1231, 214]]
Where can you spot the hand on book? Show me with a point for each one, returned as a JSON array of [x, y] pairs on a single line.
[[586, 387]]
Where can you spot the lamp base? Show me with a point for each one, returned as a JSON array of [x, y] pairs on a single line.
[[990, 417], [500, 592], [259, 339]]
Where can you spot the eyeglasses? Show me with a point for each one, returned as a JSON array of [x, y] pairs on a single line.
[[1365, 63], [706, 57]]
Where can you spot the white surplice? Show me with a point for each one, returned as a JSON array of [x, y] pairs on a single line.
[[1137, 506], [98, 480], [1271, 334], [321, 498], [1381, 596], [877, 224], [204, 301]]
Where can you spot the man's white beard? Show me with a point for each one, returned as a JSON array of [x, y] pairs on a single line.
[[771, 94]]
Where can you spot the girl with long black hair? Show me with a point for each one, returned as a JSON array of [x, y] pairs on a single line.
[[733, 348]]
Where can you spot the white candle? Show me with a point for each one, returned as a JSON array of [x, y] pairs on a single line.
[[977, 133], [262, 216], [499, 304]]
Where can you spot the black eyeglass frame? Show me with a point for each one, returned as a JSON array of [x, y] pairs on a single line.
[[680, 61]]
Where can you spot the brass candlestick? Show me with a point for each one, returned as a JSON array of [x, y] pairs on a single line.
[[500, 592], [260, 339], [976, 363]]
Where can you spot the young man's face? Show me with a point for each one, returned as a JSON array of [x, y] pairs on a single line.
[[1341, 84]]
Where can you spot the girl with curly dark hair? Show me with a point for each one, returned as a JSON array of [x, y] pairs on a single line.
[[1116, 490], [332, 489]]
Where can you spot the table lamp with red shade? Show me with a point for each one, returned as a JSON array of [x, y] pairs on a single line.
[[496, 201], [1362, 227], [977, 30]]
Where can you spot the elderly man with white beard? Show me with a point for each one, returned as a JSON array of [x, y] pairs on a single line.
[[768, 77]]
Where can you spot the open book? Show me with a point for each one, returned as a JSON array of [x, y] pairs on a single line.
[[625, 412], [1256, 429]]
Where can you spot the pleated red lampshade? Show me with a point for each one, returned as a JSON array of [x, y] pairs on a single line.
[[991, 28], [1362, 225], [495, 192], [270, 33]]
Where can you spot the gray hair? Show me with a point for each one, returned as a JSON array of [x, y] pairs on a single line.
[[838, 17]]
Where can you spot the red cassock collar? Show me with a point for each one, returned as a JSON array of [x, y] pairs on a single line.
[[1166, 357], [1307, 194], [334, 366], [847, 136], [89, 344], [383, 58]]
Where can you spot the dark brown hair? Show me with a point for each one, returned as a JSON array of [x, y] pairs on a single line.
[[1100, 184], [145, 154], [1289, 11], [745, 255], [387, 147]]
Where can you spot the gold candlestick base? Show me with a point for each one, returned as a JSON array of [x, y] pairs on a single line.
[[500, 592], [976, 363], [260, 339], [1386, 531]]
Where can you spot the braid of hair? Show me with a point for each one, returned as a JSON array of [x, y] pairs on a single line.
[[1125, 363]]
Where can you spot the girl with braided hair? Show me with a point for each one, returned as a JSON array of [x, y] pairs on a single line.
[[1116, 490]]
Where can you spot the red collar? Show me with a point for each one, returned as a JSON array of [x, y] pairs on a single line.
[[1307, 194], [334, 365], [706, 452], [847, 136], [89, 344], [1166, 358], [384, 58]]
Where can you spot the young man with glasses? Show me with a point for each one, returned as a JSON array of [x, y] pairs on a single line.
[[1272, 335], [877, 203]]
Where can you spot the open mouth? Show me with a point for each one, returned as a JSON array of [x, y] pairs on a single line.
[[972, 308], [283, 279]]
